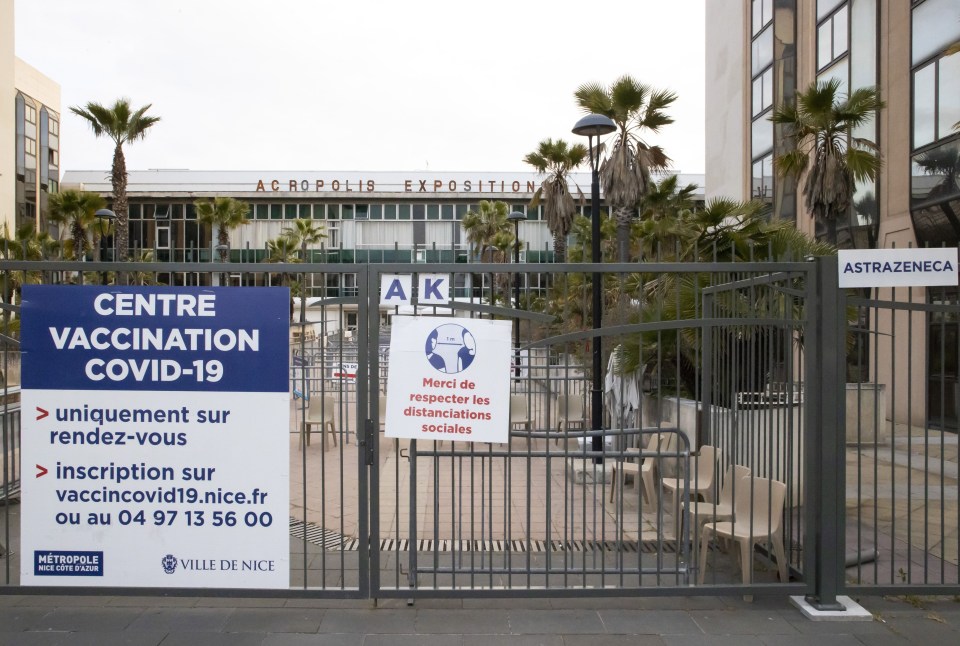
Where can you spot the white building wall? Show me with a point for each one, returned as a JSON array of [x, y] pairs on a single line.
[[727, 67]]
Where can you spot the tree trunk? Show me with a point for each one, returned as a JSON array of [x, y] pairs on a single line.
[[559, 247], [119, 180], [624, 218]]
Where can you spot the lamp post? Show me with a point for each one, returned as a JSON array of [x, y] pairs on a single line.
[[516, 217], [104, 218], [595, 126]]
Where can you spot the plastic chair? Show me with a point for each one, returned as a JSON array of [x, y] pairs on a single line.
[[758, 517], [708, 512], [701, 480], [644, 470], [569, 411], [519, 414], [320, 411]]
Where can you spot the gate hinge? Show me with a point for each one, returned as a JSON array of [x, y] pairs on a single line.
[[369, 438]]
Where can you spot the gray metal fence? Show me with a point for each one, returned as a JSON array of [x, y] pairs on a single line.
[[723, 395]]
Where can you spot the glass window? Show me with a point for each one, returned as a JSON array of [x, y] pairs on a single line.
[[419, 212], [762, 51], [403, 213], [825, 7], [935, 27], [446, 211], [362, 211], [54, 127], [763, 179], [346, 211], [261, 212], [948, 97], [840, 39], [333, 211], [319, 211], [376, 211], [924, 99], [761, 137], [30, 114], [840, 71], [276, 211], [762, 14], [763, 92], [389, 211], [289, 211], [832, 38], [304, 212], [433, 211]]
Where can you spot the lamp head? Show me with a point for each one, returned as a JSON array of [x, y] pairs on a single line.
[[594, 125]]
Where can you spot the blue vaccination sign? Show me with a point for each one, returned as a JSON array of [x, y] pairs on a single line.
[[155, 338], [156, 428]]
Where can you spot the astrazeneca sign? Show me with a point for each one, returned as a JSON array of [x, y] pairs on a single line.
[[898, 267]]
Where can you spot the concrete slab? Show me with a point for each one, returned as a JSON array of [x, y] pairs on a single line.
[[852, 611]]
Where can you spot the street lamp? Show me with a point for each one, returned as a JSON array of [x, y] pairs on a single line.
[[590, 126], [104, 218], [516, 217]]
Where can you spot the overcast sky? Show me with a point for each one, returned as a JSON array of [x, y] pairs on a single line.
[[387, 85]]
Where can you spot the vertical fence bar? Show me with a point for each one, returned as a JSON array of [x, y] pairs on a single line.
[[825, 457]]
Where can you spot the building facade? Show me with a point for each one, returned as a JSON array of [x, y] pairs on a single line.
[[760, 53], [367, 217], [30, 135]]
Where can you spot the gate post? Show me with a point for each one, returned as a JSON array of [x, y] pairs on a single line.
[[825, 437]]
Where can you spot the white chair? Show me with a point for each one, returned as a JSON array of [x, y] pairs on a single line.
[[709, 512], [519, 413], [643, 471], [758, 517], [703, 476], [320, 410], [569, 412]]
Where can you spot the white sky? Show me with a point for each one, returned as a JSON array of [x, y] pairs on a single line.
[[363, 85]]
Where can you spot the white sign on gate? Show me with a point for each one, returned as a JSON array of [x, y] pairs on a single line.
[[448, 379], [898, 267]]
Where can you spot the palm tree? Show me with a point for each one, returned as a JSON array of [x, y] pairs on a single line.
[[224, 214], [122, 124], [282, 250], [490, 236], [304, 233], [75, 210], [487, 228], [820, 126], [625, 174], [557, 159]]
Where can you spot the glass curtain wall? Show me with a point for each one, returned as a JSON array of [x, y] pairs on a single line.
[[935, 182]]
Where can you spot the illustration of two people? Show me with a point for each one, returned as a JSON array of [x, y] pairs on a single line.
[[451, 348]]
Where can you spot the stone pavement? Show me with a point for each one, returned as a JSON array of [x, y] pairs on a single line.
[[701, 621]]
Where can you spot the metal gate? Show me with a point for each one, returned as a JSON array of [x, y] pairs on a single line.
[[721, 392]]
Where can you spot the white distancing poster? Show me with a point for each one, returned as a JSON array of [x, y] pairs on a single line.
[[449, 379], [155, 437]]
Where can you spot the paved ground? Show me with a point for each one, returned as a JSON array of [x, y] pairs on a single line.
[[700, 621]]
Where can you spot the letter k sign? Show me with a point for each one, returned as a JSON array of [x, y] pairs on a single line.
[[395, 289], [434, 289]]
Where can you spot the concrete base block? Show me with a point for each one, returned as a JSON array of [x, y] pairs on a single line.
[[852, 611]]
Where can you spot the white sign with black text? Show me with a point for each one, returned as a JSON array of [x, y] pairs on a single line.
[[898, 267]]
